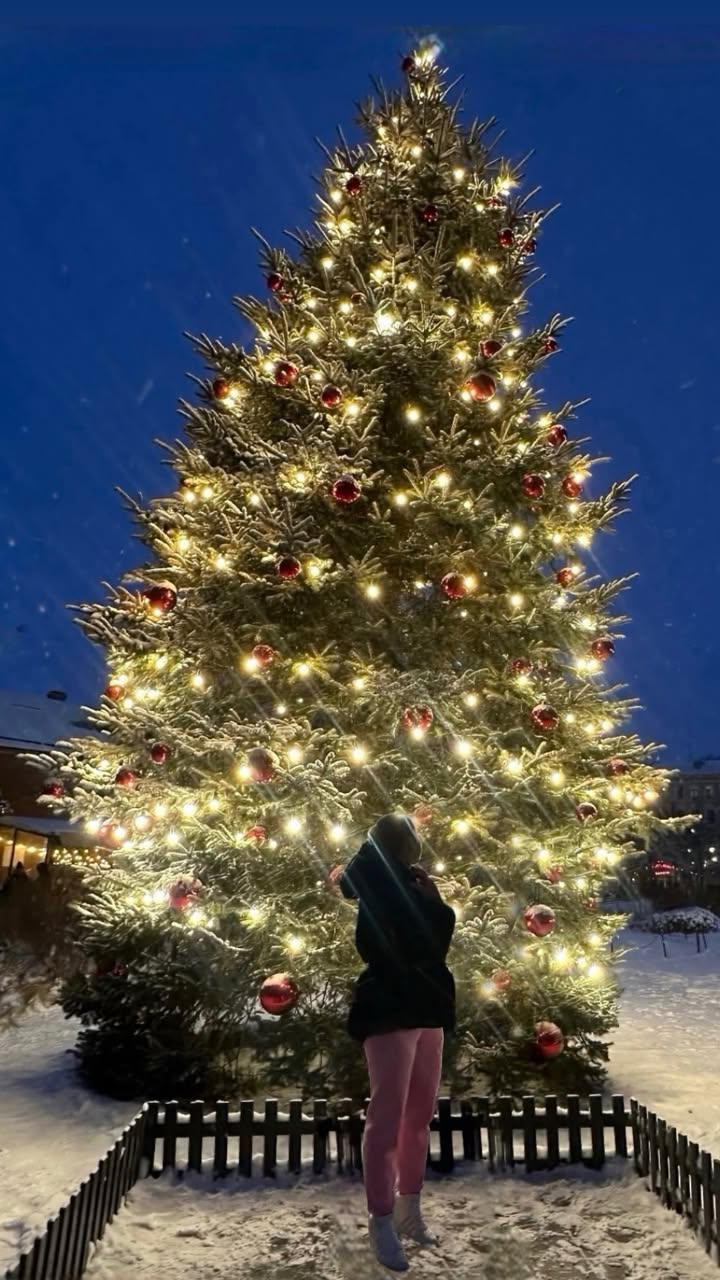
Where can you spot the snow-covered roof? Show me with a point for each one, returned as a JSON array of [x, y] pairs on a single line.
[[30, 720]]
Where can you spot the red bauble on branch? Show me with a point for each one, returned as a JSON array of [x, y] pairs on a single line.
[[287, 567], [408, 64], [125, 778], [161, 597], [346, 489], [159, 752], [533, 485], [256, 833], [54, 789], [221, 388], [501, 979], [586, 811], [274, 281], [430, 214], [453, 586], [263, 654], [422, 815], [330, 396], [556, 435], [545, 717], [184, 892], [114, 691], [278, 994], [616, 767], [285, 374], [522, 666], [602, 648], [354, 184], [554, 874], [261, 764], [480, 386], [506, 237], [417, 718], [489, 348], [529, 245], [571, 487], [566, 576], [539, 919], [550, 344], [549, 1040]]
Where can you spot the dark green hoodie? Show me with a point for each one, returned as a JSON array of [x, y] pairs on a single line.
[[403, 935]]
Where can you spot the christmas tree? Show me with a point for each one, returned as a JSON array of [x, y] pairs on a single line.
[[371, 591]]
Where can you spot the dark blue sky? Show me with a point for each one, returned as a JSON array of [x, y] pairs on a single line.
[[134, 164]]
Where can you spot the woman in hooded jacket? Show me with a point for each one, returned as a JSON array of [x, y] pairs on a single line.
[[403, 1003]]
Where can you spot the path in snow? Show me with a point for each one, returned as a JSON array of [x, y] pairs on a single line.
[[667, 1049], [493, 1228], [53, 1131]]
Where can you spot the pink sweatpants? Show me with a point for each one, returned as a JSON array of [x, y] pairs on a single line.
[[405, 1069]]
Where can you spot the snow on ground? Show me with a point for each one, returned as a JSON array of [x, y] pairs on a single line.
[[53, 1131], [667, 1049], [546, 1227]]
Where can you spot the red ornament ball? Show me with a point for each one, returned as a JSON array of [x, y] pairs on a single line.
[[571, 487], [506, 237], [417, 718], [430, 214], [125, 778], [346, 489], [602, 648], [522, 666], [544, 717], [184, 892], [490, 347], [501, 979], [533, 485], [54, 788], [220, 388], [287, 567], [616, 767], [333, 876], [539, 920], [554, 874], [530, 245], [556, 436], [159, 752], [586, 811], [161, 597], [480, 386], [408, 64], [278, 994], [550, 344], [256, 833], [565, 576], [113, 691], [285, 374], [331, 396], [422, 815], [453, 585], [262, 764], [549, 1040], [274, 281], [263, 654], [354, 184]]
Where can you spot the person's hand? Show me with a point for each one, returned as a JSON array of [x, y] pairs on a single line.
[[424, 882]]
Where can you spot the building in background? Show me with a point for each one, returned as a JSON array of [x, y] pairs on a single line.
[[695, 851], [28, 834]]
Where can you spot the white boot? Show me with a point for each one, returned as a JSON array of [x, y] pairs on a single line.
[[386, 1246], [409, 1221]]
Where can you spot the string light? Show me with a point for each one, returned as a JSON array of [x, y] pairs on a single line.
[[516, 531], [494, 405], [295, 944], [372, 591], [172, 837], [516, 600], [255, 914], [513, 765], [293, 825], [359, 754], [462, 747], [160, 810], [327, 263], [461, 826], [359, 683], [557, 777], [465, 262], [337, 832], [400, 499], [412, 413], [198, 681], [471, 700], [295, 754], [443, 480]]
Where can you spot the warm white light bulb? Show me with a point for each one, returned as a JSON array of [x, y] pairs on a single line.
[[293, 825], [372, 591], [514, 765], [412, 413], [557, 777], [471, 700], [359, 754], [295, 944], [516, 600], [516, 531], [443, 480], [463, 748], [400, 499], [160, 810], [359, 683], [327, 263], [465, 262], [295, 754], [337, 832]]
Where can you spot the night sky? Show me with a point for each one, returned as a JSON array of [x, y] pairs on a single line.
[[135, 163]]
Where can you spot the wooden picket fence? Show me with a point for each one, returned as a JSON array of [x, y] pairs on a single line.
[[265, 1142]]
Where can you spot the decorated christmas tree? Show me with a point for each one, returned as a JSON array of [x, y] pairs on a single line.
[[372, 590]]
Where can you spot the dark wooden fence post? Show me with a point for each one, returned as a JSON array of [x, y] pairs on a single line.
[[619, 1125], [245, 1145], [529, 1134], [320, 1135], [220, 1164], [169, 1145], [195, 1136], [270, 1138], [597, 1131], [295, 1136], [575, 1146], [552, 1136]]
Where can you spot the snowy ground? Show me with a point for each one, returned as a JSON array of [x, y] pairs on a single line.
[[493, 1228], [52, 1132]]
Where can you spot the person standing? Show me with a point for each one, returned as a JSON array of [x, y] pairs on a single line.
[[403, 1003]]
